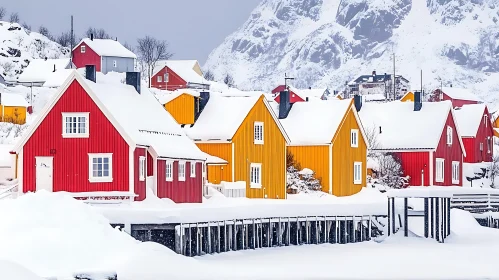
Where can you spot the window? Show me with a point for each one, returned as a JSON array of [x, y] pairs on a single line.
[[455, 172], [100, 167], [357, 173], [115, 63], [166, 77], [354, 138], [488, 145], [258, 129], [439, 177], [169, 171], [449, 135], [485, 120], [142, 168], [256, 175], [160, 79], [193, 169], [481, 146], [83, 49], [75, 125], [181, 171]]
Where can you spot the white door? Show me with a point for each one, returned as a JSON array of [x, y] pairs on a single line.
[[150, 184], [44, 173]]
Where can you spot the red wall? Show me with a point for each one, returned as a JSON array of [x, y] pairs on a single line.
[[140, 186], [70, 169], [150, 165], [472, 145], [449, 154], [413, 163], [174, 80], [90, 57], [293, 97], [190, 191]]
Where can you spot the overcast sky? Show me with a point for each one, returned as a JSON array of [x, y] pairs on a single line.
[[192, 27]]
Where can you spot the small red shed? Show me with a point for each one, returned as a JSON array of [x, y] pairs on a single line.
[[423, 135], [95, 137], [458, 96], [300, 95], [477, 132], [177, 74]]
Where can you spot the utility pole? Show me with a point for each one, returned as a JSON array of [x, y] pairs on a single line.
[[421, 83], [72, 39], [394, 79], [286, 78]]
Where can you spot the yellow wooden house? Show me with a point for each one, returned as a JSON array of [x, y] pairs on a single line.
[[409, 96], [182, 104], [327, 137], [13, 108], [245, 132]]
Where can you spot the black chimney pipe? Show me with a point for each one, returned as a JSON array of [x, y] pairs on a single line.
[[284, 104], [91, 36], [418, 103], [133, 79], [54, 68], [90, 73], [357, 100]]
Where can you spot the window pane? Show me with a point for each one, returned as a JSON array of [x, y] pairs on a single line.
[[106, 173]]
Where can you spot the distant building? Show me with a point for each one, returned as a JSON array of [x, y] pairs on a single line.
[[106, 54], [38, 70], [299, 95], [378, 87], [178, 74], [2, 79], [458, 96]]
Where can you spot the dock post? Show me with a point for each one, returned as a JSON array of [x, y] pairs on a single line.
[[437, 219], [209, 239], [406, 218], [389, 218], [426, 218], [393, 216]]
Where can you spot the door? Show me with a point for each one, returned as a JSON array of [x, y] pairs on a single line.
[[44, 173]]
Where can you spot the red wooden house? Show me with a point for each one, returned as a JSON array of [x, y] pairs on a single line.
[[477, 132], [424, 136], [300, 95], [177, 74], [458, 96], [94, 137]]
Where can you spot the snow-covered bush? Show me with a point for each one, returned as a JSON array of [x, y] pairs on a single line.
[[390, 172], [300, 180]]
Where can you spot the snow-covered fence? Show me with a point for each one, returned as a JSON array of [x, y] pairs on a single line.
[[114, 197], [9, 189], [232, 189], [476, 200]]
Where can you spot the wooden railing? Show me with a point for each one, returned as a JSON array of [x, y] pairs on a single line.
[[476, 200]]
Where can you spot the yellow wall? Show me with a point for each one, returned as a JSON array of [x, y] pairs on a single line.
[[182, 108], [315, 158], [223, 151], [12, 114], [408, 97], [272, 154], [344, 157]]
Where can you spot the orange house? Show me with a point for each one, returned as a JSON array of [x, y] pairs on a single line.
[[182, 104], [409, 96], [245, 132], [328, 138]]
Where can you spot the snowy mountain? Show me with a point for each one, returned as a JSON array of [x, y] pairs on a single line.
[[329, 42], [19, 46]]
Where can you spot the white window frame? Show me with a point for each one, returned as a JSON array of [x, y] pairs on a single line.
[[101, 179], [193, 169], [354, 138], [485, 117], [489, 145], [167, 78], [181, 171], [255, 178], [449, 135], [142, 168], [455, 172], [159, 79], [439, 170], [258, 133], [357, 170], [78, 115], [83, 49], [169, 171]]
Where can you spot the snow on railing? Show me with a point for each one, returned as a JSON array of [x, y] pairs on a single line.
[[8, 189], [114, 197], [475, 200], [231, 189]]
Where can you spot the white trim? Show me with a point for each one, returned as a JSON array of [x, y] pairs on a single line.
[[256, 185], [49, 105], [359, 180], [276, 118], [456, 172], [168, 178], [449, 135], [86, 115], [354, 138], [159, 79], [456, 127], [256, 135], [431, 169], [83, 49], [155, 175], [440, 179], [131, 170], [232, 163], [192, 167], [20, 169], [330, 168], [180, 178], [103, 179], [142, 167]]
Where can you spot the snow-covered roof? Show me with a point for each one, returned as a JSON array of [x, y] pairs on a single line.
[[149, 125], [315, 122], [469, 118], [460, 94], [107, 47], [402, 128], [167, 96], [39, 70], [214, 160], [12, 99], [183, 68], [57, 78], [221, 117]]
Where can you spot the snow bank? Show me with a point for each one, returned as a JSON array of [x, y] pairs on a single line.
[[13, 271]]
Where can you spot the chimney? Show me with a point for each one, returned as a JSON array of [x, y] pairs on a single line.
[[306, 98], [91, 36], [418, 104], [380, 129], [54, 68], [374, 73], [284, 105], [45, 58], [90, 73], [116, 39], [357, 100], [133, 79], [450, 85], [309, 87]]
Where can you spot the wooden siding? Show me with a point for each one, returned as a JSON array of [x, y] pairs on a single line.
[[449, 153], [70, 167], [90, 57], [150, 165], [188, 191], [413, 163], [272, 154], [315, 158], [344, 157], [408, 97], [223, 151], [182, 108], [472, 145], [174, 80], [13, 114], [140, 186]]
